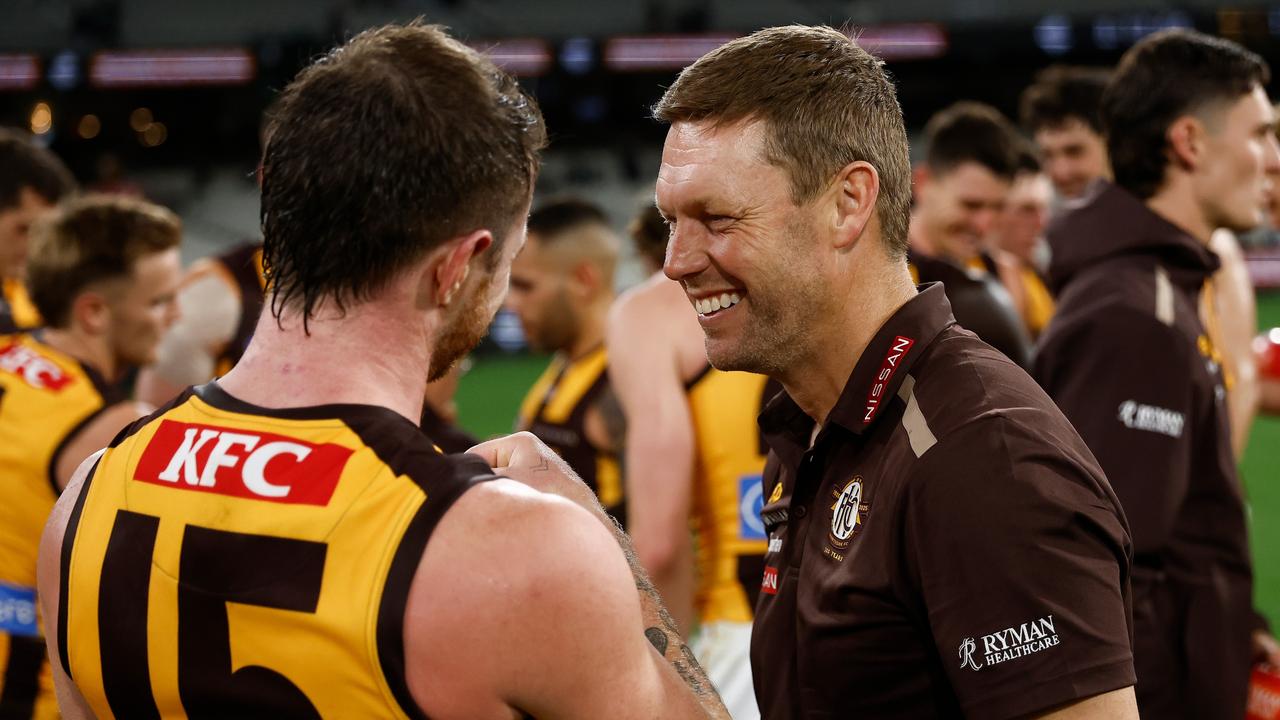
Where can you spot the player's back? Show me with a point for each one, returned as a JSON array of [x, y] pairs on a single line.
[[45, 398], [226, 560], [731, 540]]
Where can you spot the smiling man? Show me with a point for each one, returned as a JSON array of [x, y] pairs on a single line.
[[1132, 364], [961, 189], [941, 543]]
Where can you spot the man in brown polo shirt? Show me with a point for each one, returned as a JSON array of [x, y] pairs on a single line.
[[1133, 366], [941, 542]]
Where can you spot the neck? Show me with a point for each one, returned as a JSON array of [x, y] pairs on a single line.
[[1176, 203], [88, 349], [368, 355], [816, 381], [590, 333]]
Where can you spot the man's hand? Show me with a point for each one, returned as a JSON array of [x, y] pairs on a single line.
[[1265, 648], [525, 458]]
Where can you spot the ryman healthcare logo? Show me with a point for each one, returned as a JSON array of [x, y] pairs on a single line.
[[1009, 644], [1136, 416]]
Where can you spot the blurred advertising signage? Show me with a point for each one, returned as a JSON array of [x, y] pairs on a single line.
[[639, 53], [19, 72], [524, 57], [918, 41], [171, 68]]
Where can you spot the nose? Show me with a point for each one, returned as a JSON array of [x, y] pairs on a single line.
[[1272, 165], [984, 220], [686, 254]]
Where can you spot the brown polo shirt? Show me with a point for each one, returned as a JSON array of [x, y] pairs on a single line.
[[948, 547]]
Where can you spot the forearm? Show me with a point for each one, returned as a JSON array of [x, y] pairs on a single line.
[[663, 633]]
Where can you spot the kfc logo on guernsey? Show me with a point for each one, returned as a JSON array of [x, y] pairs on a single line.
[[897, 350], [35, 369], [254, 465], [1011, 643], [1151, 418]]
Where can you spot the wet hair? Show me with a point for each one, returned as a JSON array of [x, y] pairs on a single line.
[[92, 239], [825, 103], [1165, 76], [381, 151]]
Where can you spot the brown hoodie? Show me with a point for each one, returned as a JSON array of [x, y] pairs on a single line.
[[1127, 360]]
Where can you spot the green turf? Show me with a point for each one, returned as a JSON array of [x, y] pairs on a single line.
[[490, 394], [1261, 471]]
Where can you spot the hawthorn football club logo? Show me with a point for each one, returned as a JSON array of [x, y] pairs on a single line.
[[848, 514]]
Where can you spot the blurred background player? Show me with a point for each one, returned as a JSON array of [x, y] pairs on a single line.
[[296, 499], [103, 272], [32, 179], [1017, 243], [693, 454], [1061, 111], [561, 289], [961, 188], [1132, 360]]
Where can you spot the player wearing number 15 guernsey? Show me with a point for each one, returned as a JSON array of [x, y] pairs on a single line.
[[284, 542]]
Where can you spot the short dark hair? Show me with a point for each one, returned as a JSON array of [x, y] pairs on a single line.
[[24, 164], [825, 103], [1165, 76], [558, 215], [90, 239], [1028, 158], [971, 132], [1061, 93], [650, 233], [381, 150]]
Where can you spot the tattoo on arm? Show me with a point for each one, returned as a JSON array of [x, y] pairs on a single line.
[[678, 654], [658, 639], [615, 421]]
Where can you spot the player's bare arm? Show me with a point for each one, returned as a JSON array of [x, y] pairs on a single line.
[[94, 437], [646, 373], [640, 617], [48, 570]]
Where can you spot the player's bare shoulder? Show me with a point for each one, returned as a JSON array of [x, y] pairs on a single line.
[[504, 569]]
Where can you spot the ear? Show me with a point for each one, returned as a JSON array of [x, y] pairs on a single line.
[[453, 264], [91, 312], [585, 279], [921, 177], [857, 189], [1186, 138]]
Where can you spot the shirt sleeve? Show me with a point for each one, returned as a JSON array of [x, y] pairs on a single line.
[[1124, 381], [1021, 561]]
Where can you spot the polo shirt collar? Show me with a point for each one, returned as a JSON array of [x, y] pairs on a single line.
[[876, 377]]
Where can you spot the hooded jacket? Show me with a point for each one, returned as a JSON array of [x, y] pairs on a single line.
[[1128, 361]]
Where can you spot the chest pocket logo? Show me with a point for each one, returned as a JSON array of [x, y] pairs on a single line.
[[848, 513]]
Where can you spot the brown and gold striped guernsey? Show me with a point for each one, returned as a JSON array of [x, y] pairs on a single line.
[[46, 397], [555, 410], [226, 560]]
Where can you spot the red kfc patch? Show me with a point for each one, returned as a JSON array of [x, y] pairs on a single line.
[[242, 463]]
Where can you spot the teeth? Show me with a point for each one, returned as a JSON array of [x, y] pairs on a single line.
[[705, 306]]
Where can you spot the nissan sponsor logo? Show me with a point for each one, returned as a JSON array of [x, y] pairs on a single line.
[[1150, 418]]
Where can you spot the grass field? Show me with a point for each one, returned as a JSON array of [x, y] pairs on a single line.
[[490, 394]]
